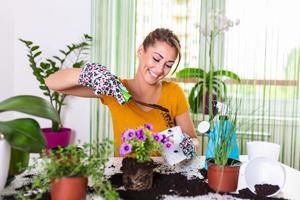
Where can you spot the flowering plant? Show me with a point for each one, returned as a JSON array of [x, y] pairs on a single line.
[[141, 142], [211, 85]]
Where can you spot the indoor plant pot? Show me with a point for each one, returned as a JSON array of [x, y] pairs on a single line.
[[75, 56], [57, 138], [22, 134], [222, 152], [65, 171], [69, 188], [4, 160], [223, 178]]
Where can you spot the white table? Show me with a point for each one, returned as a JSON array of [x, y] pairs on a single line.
[[291, 189]]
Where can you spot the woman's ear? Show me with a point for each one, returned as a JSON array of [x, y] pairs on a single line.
[[140, 50]]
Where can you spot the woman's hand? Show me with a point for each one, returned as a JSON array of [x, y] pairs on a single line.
[[99, 78], [190, 147]]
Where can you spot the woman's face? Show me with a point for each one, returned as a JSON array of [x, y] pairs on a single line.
[[156, 61]]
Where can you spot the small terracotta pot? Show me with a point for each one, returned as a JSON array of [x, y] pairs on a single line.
[[137, 176], [69, 188], [223, 178]]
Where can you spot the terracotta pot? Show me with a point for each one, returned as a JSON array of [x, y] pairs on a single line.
[[137, 176], [55, 139], [223, 178], [69, 188]]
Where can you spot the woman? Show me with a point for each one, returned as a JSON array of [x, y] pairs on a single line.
[[154, 101]]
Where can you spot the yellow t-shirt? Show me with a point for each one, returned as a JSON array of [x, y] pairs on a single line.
[[130, 115]]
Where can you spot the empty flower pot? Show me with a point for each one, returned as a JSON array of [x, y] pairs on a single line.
[[266, 172], [263, 149], [137, 176]]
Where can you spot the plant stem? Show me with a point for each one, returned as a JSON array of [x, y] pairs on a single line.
[[211, 62]]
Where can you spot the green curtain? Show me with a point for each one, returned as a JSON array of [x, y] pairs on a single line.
[[263, 50], [113, 31]]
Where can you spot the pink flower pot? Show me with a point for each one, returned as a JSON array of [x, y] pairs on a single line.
[[55, 139]]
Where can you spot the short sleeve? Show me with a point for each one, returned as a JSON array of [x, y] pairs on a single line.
[[182, 104]]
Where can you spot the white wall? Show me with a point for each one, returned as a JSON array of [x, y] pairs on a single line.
[[6, 54], [52, 24]]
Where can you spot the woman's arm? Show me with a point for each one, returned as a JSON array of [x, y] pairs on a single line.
[[66, 81], [186, 124]]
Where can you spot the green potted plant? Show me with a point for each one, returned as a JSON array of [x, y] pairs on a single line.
[[137, 147], [223, 166], [23, 134], [65, 171], [75, 56], [211, 87]]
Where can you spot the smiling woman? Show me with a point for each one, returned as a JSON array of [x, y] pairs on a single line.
[[149, 93]]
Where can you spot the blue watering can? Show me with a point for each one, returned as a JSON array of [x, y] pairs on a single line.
[[213, 135]]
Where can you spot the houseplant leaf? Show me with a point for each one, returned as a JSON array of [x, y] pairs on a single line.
[[32, 105], [191, 73], [23, 134], [194, 96], [227, 73]]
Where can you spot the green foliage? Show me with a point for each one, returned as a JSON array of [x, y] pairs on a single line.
[[74, 55], [73, 161], [202, 87], [224, 139], [24, 134]]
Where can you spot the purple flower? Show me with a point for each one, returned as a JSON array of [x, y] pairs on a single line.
[[148, 126], [140, 134], [168, 145], [164, 139], [125, 149], [129, 134], [157, 137], [123, 136]]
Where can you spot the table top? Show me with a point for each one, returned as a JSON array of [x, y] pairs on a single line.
[[191, 168]]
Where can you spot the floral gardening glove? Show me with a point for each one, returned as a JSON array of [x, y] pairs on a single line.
[[188, 147], [99, 78]]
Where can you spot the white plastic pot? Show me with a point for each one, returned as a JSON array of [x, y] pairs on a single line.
[[263, 149], [173, 155], [4, 162], [263, 170]]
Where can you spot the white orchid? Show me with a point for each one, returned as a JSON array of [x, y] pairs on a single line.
[[223, 109], [216, 23]]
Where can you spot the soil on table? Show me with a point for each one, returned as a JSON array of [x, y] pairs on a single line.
[[164, 184], [265, 189]]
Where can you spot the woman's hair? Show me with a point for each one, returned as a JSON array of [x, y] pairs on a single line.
[[163, 35]]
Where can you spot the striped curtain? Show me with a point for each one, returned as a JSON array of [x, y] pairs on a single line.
[[263, 50], [113, 31]]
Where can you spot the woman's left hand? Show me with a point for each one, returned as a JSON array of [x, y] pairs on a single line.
[[190, 147]]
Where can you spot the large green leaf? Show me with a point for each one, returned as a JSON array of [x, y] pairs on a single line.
[[191, 73], [23, 134], [32, 105], [227, 73], [195, 97]]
